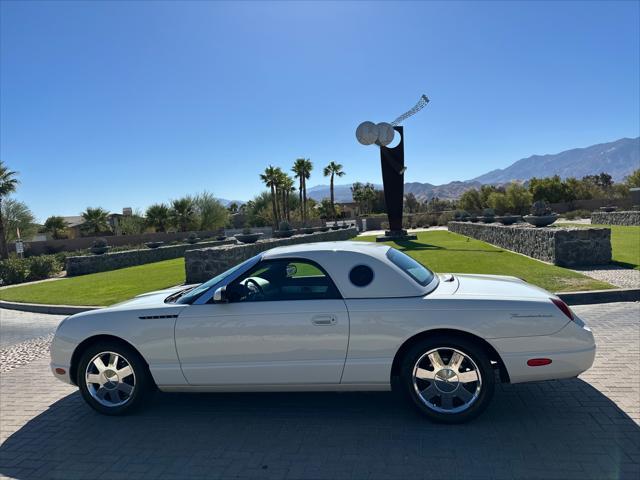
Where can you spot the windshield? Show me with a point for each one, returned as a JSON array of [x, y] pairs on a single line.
[[200, 289], [415, 270]]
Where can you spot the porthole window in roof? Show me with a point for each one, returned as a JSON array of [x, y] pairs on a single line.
[[361, 275]]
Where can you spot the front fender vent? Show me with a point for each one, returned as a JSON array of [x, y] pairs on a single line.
[[155, 317]]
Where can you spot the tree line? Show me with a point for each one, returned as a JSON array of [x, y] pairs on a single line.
[[281, 204], [517, 198]]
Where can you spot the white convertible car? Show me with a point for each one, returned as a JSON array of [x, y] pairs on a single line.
[[326, 316]]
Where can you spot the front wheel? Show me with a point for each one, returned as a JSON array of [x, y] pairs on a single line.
[[450, 380], [113, 378]]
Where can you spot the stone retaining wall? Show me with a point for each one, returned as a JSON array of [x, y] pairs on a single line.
[[567, 247], [631, 217], [204, 263], [129, 258], [71, 244]]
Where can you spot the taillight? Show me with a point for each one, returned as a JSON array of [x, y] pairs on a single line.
[[564, 308]]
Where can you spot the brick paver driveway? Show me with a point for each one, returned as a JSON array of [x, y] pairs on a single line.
[[581, 428]]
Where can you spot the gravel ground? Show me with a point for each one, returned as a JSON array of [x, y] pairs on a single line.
[[22, 353], [613, 274]]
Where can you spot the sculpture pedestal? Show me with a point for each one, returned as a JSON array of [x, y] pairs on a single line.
[[396, 235]]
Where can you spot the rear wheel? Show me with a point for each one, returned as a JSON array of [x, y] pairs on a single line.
[[450, 380], [113, 378]]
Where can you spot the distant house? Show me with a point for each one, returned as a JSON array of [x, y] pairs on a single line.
[[74, 224], [348, 209]]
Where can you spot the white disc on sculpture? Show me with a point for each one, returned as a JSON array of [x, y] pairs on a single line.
[[367, 133], [385, 134]]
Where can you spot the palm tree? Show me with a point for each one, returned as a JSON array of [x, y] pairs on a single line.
[[96, 220], [54, 225], [270, 178], [183, 213], [8, 184], [332, 170], [287, 188], [302, 168], [158, 216]]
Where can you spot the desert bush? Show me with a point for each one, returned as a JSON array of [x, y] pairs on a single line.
[[18, 270], [444, 218], [14, 270], [43, 266], [573, 214]]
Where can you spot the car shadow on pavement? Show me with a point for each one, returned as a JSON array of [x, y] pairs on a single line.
[[559, 429]]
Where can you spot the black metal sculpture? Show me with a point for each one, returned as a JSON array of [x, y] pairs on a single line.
[[393, 168], [392, 163]]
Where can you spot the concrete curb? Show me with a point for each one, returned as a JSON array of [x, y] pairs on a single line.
[[601, 296], [48, 309]]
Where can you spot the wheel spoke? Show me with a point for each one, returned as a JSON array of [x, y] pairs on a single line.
[[429, 392], [125, 388], [113, 361], [99, 364], [468, 377], [463, 394], [113, 395], [436, 361], [447, 401], [455, 361], [124, 372], [94, 378], [102, 393], [424, 374]]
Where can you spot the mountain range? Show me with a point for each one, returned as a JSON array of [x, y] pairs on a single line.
[[618, 159]]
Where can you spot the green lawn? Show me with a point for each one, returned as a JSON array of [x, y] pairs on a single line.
[[440, 250], [102, 288], [625, 243], [444, 251]]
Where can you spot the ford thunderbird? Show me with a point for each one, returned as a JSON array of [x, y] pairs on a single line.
[[336, 316]]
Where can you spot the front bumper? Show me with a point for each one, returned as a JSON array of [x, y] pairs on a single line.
[[63, 377]]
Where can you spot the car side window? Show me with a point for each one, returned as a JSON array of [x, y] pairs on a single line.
[[282, 280]]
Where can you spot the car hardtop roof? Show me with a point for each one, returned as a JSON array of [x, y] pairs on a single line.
[[366, 248]]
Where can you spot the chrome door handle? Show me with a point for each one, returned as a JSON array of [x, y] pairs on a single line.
[[324, 320]]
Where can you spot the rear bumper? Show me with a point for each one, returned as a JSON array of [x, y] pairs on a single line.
[[572, 351]]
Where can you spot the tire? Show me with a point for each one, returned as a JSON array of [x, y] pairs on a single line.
[[113, 388], [453, 387]]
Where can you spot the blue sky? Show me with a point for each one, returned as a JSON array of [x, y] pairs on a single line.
[[118, 104]]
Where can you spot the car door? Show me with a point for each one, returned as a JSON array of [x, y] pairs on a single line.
[[283, 322]]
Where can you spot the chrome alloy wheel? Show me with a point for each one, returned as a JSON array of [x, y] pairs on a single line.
[[447, 380], [110, 379]]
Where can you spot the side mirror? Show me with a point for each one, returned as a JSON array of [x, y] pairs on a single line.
[[220, 295]]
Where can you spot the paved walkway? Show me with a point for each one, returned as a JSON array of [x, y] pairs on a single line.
[[613, 274], [586, 428]]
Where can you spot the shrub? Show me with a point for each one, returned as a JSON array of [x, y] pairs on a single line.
[[99, 243], [19, 270], [444, 218], [284, 227], [461, 215], [426, 219], [540, 209], [192, 238], [43, 266], [573, 214], [14, 270], [488, 212]]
